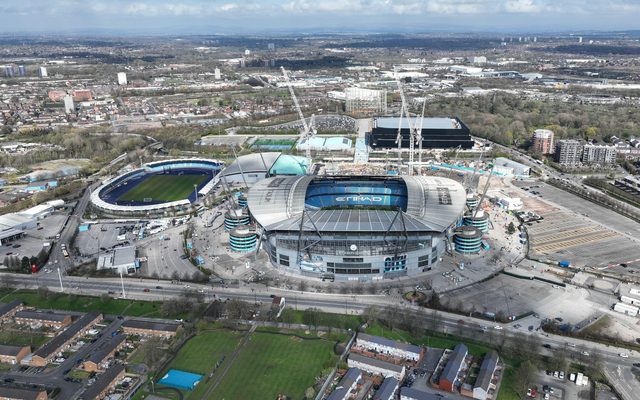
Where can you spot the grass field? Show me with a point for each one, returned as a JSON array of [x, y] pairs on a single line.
[[57, 301], [163, 188], [275, 364], [22, 338]]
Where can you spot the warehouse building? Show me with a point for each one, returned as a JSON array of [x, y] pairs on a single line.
[[122, 260], [504, 166]]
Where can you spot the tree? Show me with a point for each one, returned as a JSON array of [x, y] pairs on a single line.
[[44, 292], [302, 286], [309, 393], [238, 309], [511, 228], [25, 265], [522, 376], [311, 317], [152, 352]]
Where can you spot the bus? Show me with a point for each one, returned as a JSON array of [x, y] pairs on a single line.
[[65, 253]]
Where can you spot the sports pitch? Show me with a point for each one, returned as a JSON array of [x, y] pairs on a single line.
[[163, 188]]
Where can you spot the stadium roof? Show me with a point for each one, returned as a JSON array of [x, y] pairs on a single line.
[[427, 123], [433, 204], [274, 163]]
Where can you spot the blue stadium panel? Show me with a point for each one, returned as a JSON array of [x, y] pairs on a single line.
[[243, 243], [327, 193], [467, 245], [126, 182]]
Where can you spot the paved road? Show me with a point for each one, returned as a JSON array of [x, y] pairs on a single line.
[[333, 303]]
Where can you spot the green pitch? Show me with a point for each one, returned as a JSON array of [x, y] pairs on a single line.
[[163, 188]]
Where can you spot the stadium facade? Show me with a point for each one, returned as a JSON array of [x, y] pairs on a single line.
[[107, 197], [356, 228], [437, 133]]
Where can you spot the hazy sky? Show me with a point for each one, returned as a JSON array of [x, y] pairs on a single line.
[[251, 16]]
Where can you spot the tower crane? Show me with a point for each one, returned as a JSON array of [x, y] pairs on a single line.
[[412, 127], [419, 136], [307, 129]]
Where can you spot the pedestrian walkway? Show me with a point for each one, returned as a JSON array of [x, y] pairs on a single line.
[[361, 154]]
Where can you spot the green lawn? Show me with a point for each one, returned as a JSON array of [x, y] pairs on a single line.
[[22, 338], [200, 354], [164, 188], [271, 363], [439, 341], [72, 302]]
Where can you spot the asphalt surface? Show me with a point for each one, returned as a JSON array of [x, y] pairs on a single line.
[[335, 303]]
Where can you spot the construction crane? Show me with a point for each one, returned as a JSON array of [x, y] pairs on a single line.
[[419, 137], [484, 193], [412, 129], [307, 130]]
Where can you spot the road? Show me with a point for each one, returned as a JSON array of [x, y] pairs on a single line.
[[134, 289]]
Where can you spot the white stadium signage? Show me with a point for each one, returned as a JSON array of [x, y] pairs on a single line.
[[372, 199]]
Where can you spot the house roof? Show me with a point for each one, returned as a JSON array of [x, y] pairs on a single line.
[[8, 350], [390, 343], [415, 394], [54, 344], [8, 307], [17, 393], [487, 369], [41, 316], [450, 372], [102, 382], [388, 387], [150, 325], [105, 349], [376, 363]]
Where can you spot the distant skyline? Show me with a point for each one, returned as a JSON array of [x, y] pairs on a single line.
[[272, 16]]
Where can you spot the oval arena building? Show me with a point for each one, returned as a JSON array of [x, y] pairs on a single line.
[[158, 188], [353, 227]]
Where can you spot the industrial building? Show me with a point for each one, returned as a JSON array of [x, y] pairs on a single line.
[[319, 143], [504, 166], [568, 152], [627, 309], [630, 295], [361, 100], [543, 141], [437, 133], [599, 154], [350, 227], [121, 260]]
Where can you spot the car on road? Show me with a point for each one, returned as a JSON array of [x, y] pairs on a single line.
[[111, 292], [585, 353], [561, 375], [497, 327], [624, 355], [146, 290], [158, 287], [530, 328], [546, 346]]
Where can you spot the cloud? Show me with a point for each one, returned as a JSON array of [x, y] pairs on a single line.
[[523, 6]]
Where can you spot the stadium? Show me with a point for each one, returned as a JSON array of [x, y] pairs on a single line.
[[158, 188], [354, 227]]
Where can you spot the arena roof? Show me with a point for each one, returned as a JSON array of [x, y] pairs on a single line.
[[427, 123], [433, 204], [274, 163]]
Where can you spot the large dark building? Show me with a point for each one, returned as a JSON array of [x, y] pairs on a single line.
[[437, 133]]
